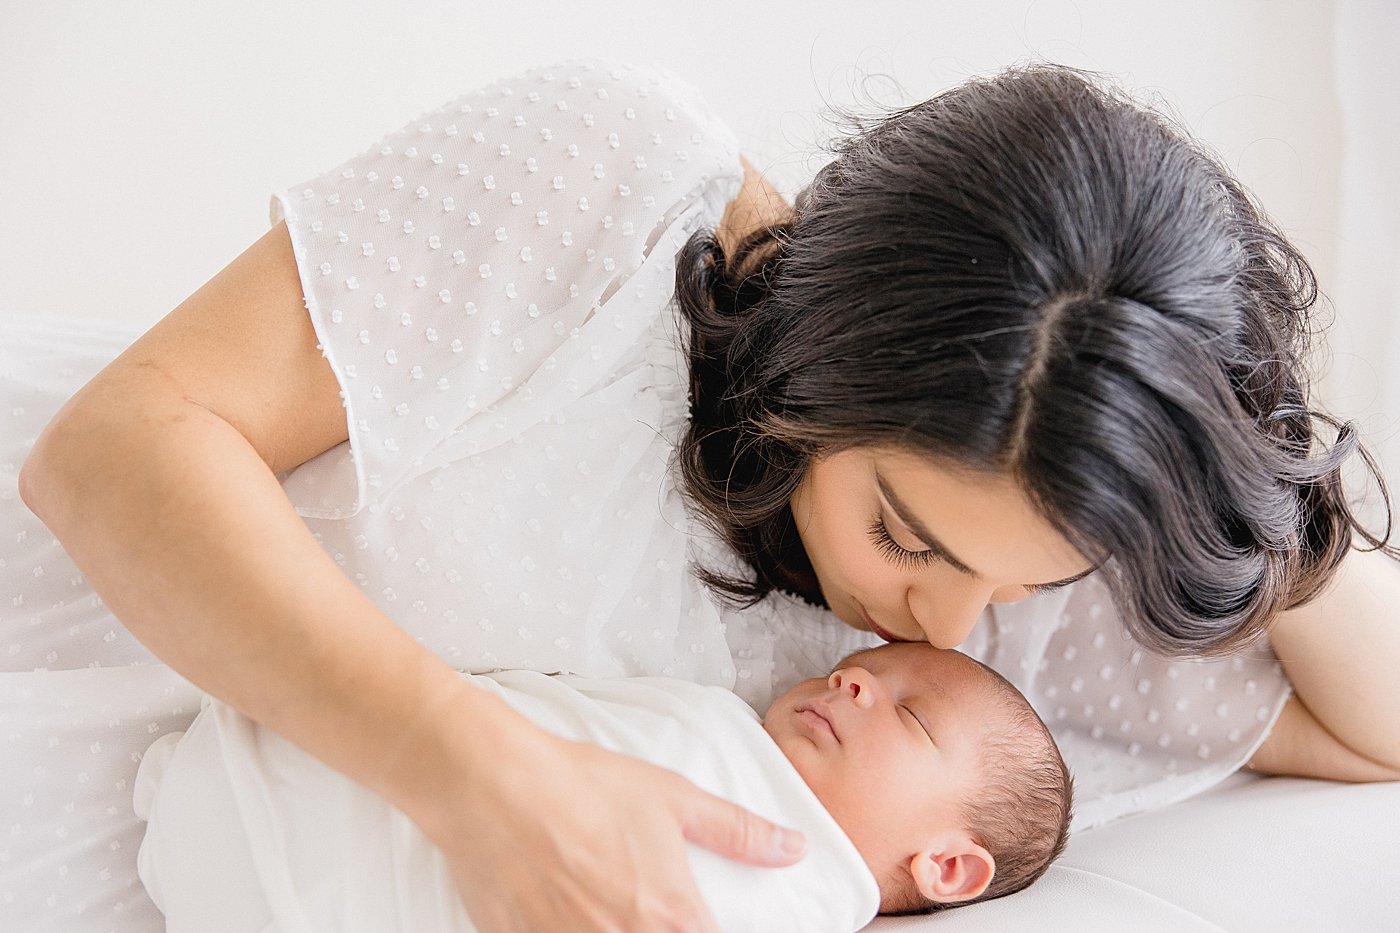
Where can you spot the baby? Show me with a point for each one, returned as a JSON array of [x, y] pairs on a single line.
[[936, 767], [920, 778]]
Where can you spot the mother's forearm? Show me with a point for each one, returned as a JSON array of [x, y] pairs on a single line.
[[1342, 654], [186, 534]]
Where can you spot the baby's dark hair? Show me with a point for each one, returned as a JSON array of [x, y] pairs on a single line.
[[1030, 275], [1021, 810]]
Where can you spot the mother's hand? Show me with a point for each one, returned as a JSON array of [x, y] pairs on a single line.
[[542, 833]]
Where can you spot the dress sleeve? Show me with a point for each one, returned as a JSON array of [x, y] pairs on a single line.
[[475, 260]]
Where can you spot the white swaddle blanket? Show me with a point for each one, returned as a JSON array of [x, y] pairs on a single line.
[[249, 834]]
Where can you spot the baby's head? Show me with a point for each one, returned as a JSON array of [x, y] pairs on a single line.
[[949, 785]]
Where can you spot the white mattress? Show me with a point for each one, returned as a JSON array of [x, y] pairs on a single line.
[[1254, 854]]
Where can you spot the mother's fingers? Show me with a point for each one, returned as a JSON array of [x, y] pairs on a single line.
[[598, 845], [735, 833]]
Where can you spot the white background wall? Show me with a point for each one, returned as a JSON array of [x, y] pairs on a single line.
[[139, 138]]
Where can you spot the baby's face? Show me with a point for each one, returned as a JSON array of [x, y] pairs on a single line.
[[889, 742]]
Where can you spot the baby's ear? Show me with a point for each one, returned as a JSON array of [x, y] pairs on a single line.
[[952, 868]]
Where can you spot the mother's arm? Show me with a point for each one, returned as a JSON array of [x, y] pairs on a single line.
[[1342, 653], [158, 477]]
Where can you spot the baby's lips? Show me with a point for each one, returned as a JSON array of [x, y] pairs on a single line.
[[820, 712]]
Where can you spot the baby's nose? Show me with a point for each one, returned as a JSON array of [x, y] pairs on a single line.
[[855, 682]]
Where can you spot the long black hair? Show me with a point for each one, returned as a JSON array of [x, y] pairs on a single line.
[[1032, 275]]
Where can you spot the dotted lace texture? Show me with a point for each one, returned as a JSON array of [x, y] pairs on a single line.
[[1138, 730], [493, 285]]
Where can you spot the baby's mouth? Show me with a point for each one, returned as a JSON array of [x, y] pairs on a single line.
[[816, 721]]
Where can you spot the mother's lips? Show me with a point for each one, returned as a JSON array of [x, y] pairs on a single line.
[[874, 627]]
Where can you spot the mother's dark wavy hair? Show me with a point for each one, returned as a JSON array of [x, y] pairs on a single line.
[[1032, 274]]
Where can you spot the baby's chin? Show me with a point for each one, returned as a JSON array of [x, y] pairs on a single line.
[[770, 727]]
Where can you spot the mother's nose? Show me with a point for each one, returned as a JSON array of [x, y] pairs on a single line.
[[856, 683], [947, 615]]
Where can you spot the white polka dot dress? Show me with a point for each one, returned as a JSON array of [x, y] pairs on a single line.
[[1138, 730], [492, 286]]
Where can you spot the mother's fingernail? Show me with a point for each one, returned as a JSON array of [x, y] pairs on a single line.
[[791, 843]]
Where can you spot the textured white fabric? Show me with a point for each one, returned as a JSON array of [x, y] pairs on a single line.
[[249, 834], [1138, 730], [492, 285], [507, 494]]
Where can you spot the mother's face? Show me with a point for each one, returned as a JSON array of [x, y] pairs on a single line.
[[913, 550]]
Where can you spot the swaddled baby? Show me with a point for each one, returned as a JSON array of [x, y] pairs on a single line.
[[920, 778]]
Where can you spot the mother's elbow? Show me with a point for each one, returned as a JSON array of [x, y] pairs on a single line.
[[1299, 745], [64, 461], [38, 473]]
